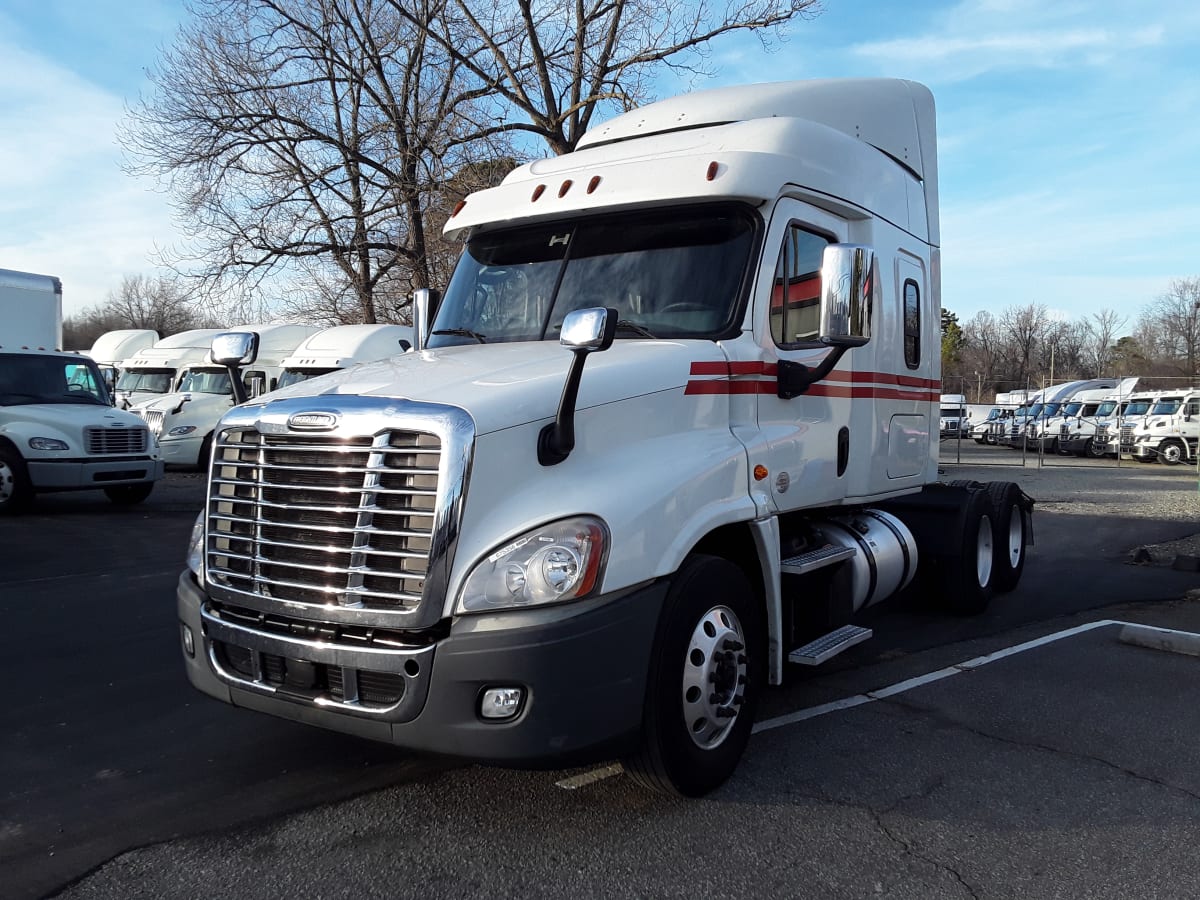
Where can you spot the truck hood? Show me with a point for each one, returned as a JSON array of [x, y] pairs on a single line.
[[206, 402], [503, 385], [67, 418]]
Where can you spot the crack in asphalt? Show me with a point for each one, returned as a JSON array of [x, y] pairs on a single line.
[[942, 718]]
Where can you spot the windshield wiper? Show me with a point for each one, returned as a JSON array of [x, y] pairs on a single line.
[[635, 328], [462, 332]]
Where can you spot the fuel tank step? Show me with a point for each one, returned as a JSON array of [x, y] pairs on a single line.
[[815, 559], [829, 645]]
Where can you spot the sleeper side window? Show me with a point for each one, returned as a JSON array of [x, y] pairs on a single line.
[[796, 291], [912, 324]]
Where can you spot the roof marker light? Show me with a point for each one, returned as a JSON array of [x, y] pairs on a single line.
[[458, 208], [593, 184], [537, 192], [564, 187], [712, 170]]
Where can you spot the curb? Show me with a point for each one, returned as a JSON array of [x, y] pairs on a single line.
[[1183, 642]]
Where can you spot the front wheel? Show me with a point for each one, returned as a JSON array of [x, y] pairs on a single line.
[[16, 490], [1172, 452], [707, 670], [129, 494]]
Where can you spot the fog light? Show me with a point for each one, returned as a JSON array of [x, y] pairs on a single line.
[[501, 703], [189, 643]]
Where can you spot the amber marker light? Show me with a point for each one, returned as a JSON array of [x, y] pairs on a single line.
[[713, 167], [458, 208], [760, 472], [564, 187], [537, 192], [593, 184]]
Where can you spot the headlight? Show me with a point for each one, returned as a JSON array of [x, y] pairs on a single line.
[[181, 430], [42, 443], [557, 562], [195, 555]]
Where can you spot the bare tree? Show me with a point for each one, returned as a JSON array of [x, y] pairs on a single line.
[[1174, 318], [159, 303], [556, 63], [1101, 334], [1025, 328], [294, 132]]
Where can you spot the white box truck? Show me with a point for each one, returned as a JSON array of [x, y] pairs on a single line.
[[58, 430], [673, 426], [183, 420]]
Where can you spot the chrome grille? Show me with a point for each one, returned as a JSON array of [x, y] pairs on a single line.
[[1126, 435], [122, 441], [324, 520], [154, 419]]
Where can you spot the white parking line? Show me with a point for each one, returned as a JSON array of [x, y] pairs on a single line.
[[899, 687]]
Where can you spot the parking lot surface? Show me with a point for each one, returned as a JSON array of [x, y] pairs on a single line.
[[1061, 770]]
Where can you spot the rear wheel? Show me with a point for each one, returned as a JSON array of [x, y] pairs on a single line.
[[16, 490], [1172, 452], [965, 578], [707, 670], [129, 494], [1008, 535]]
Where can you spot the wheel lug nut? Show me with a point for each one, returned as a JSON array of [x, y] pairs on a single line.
[[726, 712], [734, 646]]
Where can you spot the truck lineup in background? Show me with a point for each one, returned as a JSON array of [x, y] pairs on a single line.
[[58, 428], [670, 428]]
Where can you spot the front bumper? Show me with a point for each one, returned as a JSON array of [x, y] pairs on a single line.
[[89, 474], [181, 451], [1145, 450], [584, 675]]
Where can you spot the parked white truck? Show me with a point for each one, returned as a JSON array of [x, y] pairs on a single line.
[[953, 416], [112, 348], [155, 371], [1086, 413], [674, 425], [1170, 430], [183, 420], [343, 346], [58, 430]]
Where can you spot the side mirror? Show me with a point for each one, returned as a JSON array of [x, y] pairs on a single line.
[[847, 288], [425, 301], [583, 331], [234, 348]]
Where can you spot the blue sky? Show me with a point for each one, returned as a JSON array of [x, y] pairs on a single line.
[[1069, 138]]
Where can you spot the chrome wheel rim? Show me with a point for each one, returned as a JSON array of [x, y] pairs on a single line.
[[983, 552], [714, 677], [7, 482], [1016, 536]]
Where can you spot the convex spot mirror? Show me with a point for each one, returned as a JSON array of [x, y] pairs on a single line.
[[847, 288], [235, 348]]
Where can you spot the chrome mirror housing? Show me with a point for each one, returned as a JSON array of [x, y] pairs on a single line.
[[234, 348]]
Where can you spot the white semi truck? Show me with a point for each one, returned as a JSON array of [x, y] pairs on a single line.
[[183, 420], [673, 426], [58, 430], [112, 348], [953, 416], [154, 371], [343, 346], [1170, 430]]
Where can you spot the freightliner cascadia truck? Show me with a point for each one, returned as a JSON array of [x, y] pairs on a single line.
[[672, 425]]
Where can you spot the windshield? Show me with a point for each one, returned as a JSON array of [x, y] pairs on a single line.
[[668, 273], [1107, 408], [1034, 410], [146, 381], [26, 379], [950, 412], [205, 381], [1072, 409], [1137, 408], [295, 376], [1165, 408], [1051, 408]]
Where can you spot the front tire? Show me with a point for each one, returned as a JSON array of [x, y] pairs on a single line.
[[16, 490], [1172, 452], [129, 494], [706, 673]]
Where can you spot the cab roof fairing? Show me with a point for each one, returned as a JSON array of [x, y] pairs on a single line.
[[757, 160]]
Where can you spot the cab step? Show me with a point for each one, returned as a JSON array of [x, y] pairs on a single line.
[[815, 559], [829, 645]]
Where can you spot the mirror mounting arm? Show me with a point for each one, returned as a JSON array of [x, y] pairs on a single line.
[[794, 379], [584, 331]]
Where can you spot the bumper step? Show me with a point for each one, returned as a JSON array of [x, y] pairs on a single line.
[[829, 645], [815, 559]]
